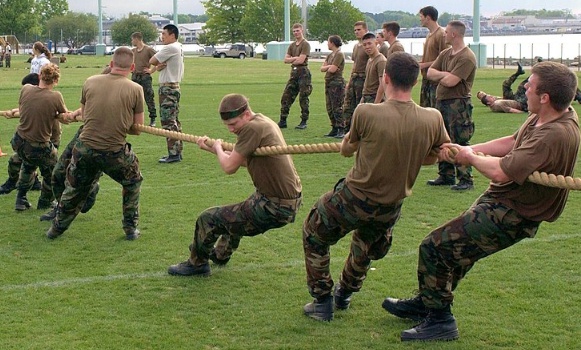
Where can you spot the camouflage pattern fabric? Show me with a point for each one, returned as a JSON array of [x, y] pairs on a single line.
[[353, 96], [84, 170], [59, 173], [35, 155], [298, 84], [369, 98], [334, 96], [450, 251], [519, 96], [14, 163], [169, 109], [428, 93], [145, 81], [333, 216], [457, 115], [226, 225]]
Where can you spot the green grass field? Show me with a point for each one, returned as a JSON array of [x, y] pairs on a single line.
[[91, 289]]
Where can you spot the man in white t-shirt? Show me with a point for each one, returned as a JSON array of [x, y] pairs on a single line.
[[169, 62]]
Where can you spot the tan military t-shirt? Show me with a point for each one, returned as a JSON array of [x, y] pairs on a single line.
[[434, 44], [394, 139], [336, 58], [462, 65], [359, 59], [396, 46], [273, 176], [303, 48], [38, 111], [384, 49], [551, 148], [373, 73], [141, 58], [110, 103]]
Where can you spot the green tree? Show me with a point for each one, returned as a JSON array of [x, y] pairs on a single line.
[[77, 28], [48, 9], [225, 20], [121, 30], [333, 18], [264, 20], [17, 17]]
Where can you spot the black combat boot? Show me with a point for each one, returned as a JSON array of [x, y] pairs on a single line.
[[282, 122], [331, 133], [321, 309], [302, 125], [520, 69], [22, 202], [342, 297], [8, 187], [440, 324], [340, 133], [442, 181], [413, 308]]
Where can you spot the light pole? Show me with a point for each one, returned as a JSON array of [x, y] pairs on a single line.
[[77, 41]]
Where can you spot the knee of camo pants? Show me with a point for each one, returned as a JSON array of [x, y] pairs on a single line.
[[169, 100]]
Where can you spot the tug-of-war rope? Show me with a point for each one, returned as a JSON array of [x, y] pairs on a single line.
[[550, 180], [541, 178]]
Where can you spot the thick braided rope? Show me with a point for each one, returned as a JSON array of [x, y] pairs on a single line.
[[542, 178], [262, 151]]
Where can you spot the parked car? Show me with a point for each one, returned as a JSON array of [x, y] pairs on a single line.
[[83, 50], [235, 51]]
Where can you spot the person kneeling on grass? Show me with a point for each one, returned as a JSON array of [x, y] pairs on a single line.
[[273, 205], [511, 209]]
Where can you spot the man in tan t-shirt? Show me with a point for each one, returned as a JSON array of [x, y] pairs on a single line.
[[111, 106], [373, 70], [142, 74], [274, 204], [390, 32], [299, 82], [368, 201], [354, 88], [434, 44], [454, 70]]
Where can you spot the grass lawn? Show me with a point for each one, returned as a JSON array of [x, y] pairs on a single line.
[[92, 289]]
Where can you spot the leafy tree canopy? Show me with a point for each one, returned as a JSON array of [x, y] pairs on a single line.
[[121, 30], [333, 18], [77, 29], [263, 20]]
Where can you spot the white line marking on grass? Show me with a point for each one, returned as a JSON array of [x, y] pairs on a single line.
[[245, 267]]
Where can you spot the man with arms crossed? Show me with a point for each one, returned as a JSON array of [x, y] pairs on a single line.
[[434, 44], [142, 74], [454, 70], [169, 61]]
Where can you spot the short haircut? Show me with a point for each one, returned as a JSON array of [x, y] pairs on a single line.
[[392, 27], [123, 58], [32, 79], [360, 23], [172, 29], [458, 26], [556, 80], [49, 73], [232, 106], [430, 11], [336, 40], [297, 25], [402, 70], [137, 35], [368, 35]]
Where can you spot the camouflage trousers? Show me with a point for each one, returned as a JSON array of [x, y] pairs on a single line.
[[428, 93], [353, 96], [450, 251], [457, 115], [225, 226], [59, 173], [85, 169], [169, 109], [145, 81], [369, 98], [334, 96], [35, 155], [298, 84], [519, 95], [333, 216]]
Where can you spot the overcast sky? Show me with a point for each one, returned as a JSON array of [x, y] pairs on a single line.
[[117, 8]]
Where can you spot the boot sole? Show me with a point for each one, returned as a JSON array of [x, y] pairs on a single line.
[[446, 336], [320, 317]]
